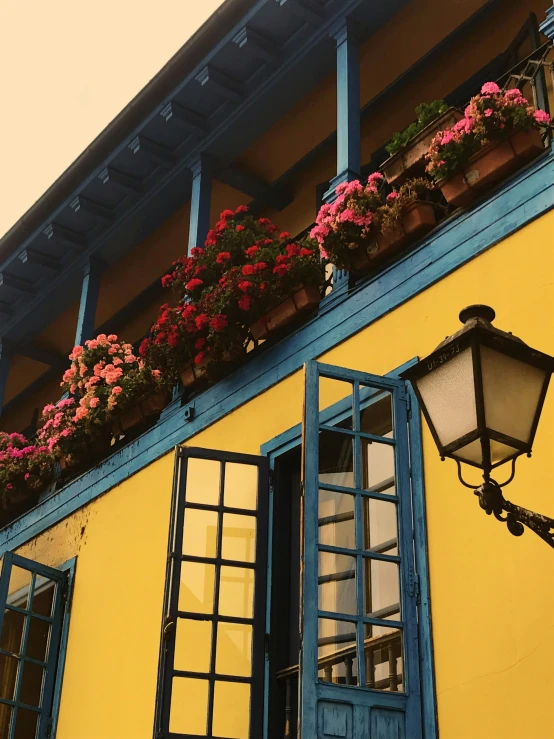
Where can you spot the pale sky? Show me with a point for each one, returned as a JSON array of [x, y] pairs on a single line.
[[66, 70]]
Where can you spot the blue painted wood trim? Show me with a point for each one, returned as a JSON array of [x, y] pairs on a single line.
[[201, 201], [457, 241], [89, 300], [547, 26], [69, 568], [5, 359]]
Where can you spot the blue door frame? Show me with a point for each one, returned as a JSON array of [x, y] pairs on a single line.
[[417, 574]]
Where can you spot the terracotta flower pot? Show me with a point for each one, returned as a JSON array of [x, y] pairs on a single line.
[[412, 157], [192, 373], [491, 165], [302, 300], [149, 405], [96, 450]]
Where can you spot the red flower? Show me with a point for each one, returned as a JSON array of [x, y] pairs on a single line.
[[267, 242], [199, 343], [292, 249], [221, 226], [281, 270], [284, 236], [223, 280], [222, 257], [167, 280], [172, 339], [260, 266], [305, 252], [263, 287], [199, 358], [244, 302], [193, 284], [272, 228], [251, 251], [188, 311], [239, 228], [244, 286], [201, 320], [211, 238], [219, 322], [248, 269], [200, 269], [196, 251], [264, 221], [282, 259], [226, 214], [144, 346]]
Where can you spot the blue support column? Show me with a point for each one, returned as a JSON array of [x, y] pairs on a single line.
[[201, 201], [89, 300], [348, 129], [5, 358]]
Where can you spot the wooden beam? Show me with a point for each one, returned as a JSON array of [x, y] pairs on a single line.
[[270, 195], [66, 236], [16, 283], [221, 83], [89, 300], [100, 212], [38, 259], [309, 11], [38, 354], [126, 183], [200, 201], [154, 151], [258, 46], [191, 122]]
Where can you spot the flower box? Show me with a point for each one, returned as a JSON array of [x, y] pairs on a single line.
[[302, 300], [97, 450], [149, 405], [417, 220], [491, 165], [412, 157], [191, 373]]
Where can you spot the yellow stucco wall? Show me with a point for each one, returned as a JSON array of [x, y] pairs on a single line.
[[491, 604]]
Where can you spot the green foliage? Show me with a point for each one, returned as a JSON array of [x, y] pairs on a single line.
[[426, 113]]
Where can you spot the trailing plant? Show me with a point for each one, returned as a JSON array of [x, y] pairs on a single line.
[[25, 468], [426, 113], [491, 116]]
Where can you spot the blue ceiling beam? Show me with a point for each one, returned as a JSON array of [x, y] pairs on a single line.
[[152, 150], [201, 201], [221, 83], [258, 46], [123, 182], [38, 259], [264, 193], [311, 12], [89, 300], [38, 354], [66, 236], [193, 123], [17, 283], [98, 211]]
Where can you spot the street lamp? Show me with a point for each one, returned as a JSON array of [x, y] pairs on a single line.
[[482, 391]]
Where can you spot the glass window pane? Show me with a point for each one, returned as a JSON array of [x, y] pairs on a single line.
[[189, 706], [231, 716], [239, 537], [12, 631], [8, 674], [26, 724], [336, 460], [333, 392], [384, 661], [381, 589], [43, 598], [336, 520], [234, 649], [203, 481], [376, 417], [5, 718], [380, 527], [31, 684], [196, 589], [241, 486], [236, 592], [200, 533], [337, 583], [378, 467], [18, 589], [337, 660], [37, 640], [193, 645]]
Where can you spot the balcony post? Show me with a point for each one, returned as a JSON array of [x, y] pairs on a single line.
[[5, 358], [348, 129], [201, 201], [89, 300]]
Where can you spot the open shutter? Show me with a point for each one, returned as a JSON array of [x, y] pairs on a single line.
[[359, 660], [31, 616], [212, 654]]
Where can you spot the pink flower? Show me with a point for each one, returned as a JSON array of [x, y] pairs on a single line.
[[446, 138], [48, 409], [488, 112], [77, 351], [94, 402], [541, 117], [156, 374], [375, 178], [490, 88], [117, 360], [391, 197], [92, 344], [130, 358], [112, 337], [116, 390]]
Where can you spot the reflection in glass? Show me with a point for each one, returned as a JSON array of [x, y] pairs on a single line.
[[8, 673], [26, 724], [196, 590], [381, 589], [200, 533], [31, 684], [12, 631], [336, 461], [231, 716], [5, 719], [239, 537], [236, 592], [376, 417], [193, 643], [380, 527], [337, 660], [337, 583], [37, 640], [336, 519], [189, 706], [18, 589], [43, 598], [384, 661], [241, 486], [234, 649], [203, 481], [332, 391], [378, 467]]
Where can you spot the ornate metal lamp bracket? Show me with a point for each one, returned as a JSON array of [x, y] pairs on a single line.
[[492, 501]]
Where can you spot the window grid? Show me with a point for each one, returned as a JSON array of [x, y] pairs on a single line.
[[361, 554]]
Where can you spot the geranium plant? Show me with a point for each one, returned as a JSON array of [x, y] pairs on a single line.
[[25, 468], [491, 116], [401, 199], [66, 434], [426, 113]]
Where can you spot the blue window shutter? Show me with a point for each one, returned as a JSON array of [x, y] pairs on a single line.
[[327, 707]]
